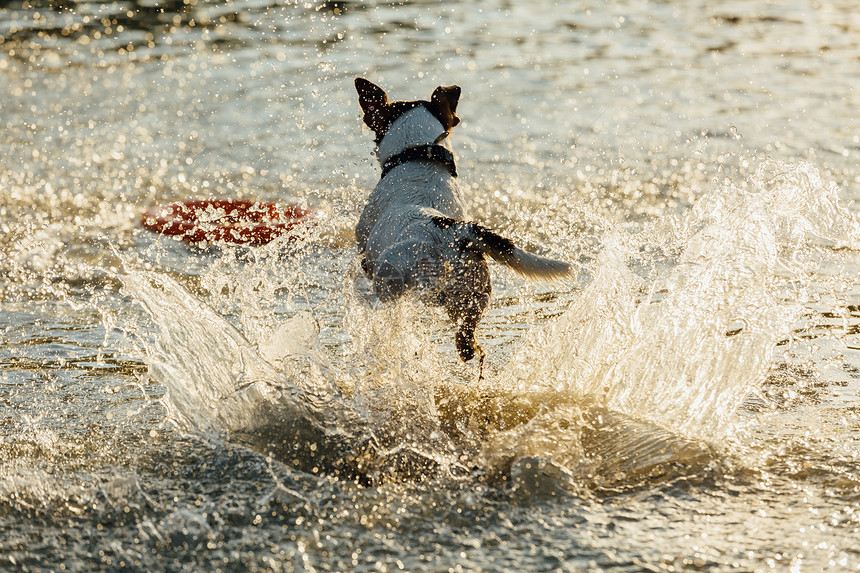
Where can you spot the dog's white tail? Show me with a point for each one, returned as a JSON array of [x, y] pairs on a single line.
[[503, 250]]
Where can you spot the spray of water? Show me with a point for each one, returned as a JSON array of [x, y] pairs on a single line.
[[646, 366], [684, 345]]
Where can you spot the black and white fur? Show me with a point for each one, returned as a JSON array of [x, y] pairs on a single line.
[[413, 234]]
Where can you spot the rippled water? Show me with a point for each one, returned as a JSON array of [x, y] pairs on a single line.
[[688, 401]]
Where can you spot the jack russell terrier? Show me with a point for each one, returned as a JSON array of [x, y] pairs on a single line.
[[412, 234]]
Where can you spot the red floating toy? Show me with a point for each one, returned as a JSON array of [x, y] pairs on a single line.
[[235, 221]]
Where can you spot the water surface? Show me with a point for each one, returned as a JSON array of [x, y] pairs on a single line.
[[689, 400]]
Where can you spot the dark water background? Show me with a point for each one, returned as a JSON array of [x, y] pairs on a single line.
[[689, 402]]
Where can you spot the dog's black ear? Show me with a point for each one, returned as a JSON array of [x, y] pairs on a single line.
[[374, 102], [371, 97], [445, 99]]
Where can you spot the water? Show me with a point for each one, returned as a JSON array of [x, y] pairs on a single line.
[[688, 401]]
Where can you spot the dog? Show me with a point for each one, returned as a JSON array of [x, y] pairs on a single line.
[[413, 235]]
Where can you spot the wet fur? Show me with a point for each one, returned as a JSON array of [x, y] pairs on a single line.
[[413, 235]]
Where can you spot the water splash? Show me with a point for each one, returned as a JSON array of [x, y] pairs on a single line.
[[683, 346], [219, 384], [645, 368]]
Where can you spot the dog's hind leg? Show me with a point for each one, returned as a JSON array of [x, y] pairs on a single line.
[[467, 296]]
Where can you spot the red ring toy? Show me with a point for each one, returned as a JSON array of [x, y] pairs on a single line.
[[235, 221]]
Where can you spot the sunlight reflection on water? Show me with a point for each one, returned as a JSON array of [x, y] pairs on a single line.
[[672, 136]]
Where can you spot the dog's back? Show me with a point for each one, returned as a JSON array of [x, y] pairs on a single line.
[[413, 184]]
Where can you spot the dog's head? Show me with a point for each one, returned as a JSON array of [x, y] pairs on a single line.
[[379, 113]]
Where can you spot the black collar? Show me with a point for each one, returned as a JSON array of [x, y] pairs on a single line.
[[432, 152]]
